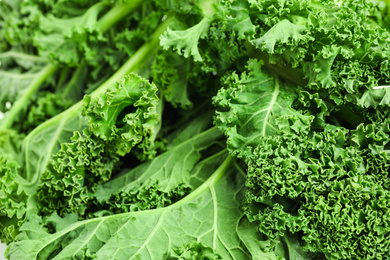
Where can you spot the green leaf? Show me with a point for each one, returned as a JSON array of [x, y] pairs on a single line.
[[185, 42], [169, 169], [321, 70], [66, 40], [283, 32], [171, 74], [209, 215], [258, 248], [14, 81], [316, 187], [126, 115], [44, 141], [13, 199], [73, 173], [374, 98], [256, 105], [240, 21]]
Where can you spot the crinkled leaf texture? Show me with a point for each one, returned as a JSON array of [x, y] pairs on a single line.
[[375, 97], [282, 33], [330, 189], [32, 159], [44, 141], [339, 45], [186, 42], [254, 105], [73, 172], [48, 136], [13, 199], [167, 177], [68, 40], [126, 115], [171, 74], [210, 215], [90, 158]]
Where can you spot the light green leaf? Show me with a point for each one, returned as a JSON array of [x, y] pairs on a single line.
[[283, 32], [186, 42], [65, 40], [295, 250], [252, 240], [44, 141], [15, 81], [375, 97]]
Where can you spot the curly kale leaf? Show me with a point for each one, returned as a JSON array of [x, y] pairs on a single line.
[[126, 115], [339, 46], [325, 188], [282, 33], [375, 98], [255, 105], [185, 42], [67, 39], [163, 180], [194, 250], [73, 174], [13, 200], [210, 215], [171, 73], [214, 35]]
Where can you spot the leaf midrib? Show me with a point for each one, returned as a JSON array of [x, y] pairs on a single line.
[[275, 95]]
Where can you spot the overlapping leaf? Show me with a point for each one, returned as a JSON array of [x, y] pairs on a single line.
[[209, 215], [258, 105], [128, 114]]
